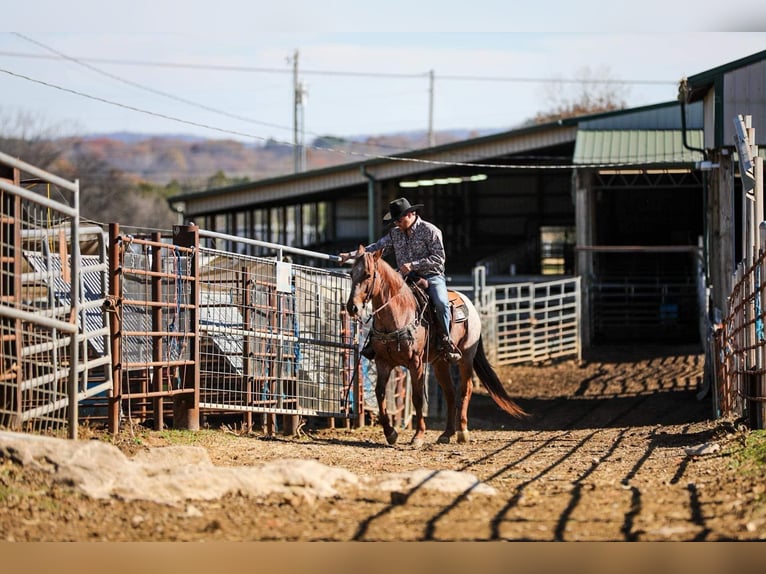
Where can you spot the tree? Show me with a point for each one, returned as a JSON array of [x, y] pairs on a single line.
[[593, 92], [30, 138], [106, 194]]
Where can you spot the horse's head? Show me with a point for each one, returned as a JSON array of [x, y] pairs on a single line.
[[363, 284]]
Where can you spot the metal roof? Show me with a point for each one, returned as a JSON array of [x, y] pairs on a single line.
[[665, 116], [700, 83], [643, 147], [354, 174]]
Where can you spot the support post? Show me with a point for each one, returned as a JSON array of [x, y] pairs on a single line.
[[115, 325], [157, 347], [186, 406]]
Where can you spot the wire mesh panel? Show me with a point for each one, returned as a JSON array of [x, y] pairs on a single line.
[[94, 378], [153, 329], [39, 299], [532, 321], [274, 337], [740, 347]]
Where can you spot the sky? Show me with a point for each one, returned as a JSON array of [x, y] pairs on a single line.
[[168, 67]]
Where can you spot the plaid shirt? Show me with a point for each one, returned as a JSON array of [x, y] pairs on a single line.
[[421, 246]]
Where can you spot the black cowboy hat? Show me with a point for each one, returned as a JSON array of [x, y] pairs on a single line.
[[399, 208]]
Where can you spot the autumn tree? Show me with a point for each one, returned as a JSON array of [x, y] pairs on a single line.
[[592, 92], [106, 194]]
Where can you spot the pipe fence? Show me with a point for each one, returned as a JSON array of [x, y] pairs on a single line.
[[53, 341], [199, 330]]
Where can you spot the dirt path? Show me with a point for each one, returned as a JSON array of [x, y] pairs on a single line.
[[603, 457]]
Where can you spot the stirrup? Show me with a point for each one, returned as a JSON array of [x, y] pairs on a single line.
[[449, 350], [453, 355]]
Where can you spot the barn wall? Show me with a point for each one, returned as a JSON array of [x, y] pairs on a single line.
[[744, 92]]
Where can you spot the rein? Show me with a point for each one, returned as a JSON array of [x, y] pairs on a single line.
[[406, 333]]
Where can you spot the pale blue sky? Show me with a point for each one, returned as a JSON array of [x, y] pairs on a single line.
[[365, 64]]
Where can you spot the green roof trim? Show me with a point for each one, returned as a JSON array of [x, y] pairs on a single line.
[[637, 147]]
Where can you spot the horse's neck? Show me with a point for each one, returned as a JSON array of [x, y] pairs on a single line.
[[393, 309]]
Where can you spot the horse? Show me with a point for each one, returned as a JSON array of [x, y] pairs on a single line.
[[401, 336]]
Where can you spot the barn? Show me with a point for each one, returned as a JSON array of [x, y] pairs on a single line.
[[626, 200]]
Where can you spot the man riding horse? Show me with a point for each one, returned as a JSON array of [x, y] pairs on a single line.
[[419, 250]]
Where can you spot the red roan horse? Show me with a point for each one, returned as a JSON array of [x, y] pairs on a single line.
[[400, 336]]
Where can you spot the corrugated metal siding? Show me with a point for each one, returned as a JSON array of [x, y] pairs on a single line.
[[744, 92], [636, 147]]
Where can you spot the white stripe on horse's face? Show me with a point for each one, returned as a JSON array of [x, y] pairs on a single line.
[[362, 273]]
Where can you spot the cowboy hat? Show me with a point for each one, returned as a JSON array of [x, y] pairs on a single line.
[[399, 208]]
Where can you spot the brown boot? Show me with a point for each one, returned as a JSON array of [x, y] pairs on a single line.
[[448, 350]]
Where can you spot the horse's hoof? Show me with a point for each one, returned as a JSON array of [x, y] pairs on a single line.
[[444, 439], [463, 437], [391, 438], [416, 442]]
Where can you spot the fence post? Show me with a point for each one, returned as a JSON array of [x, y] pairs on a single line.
[[248, 354], [186, 406], [76, 306], [115, 326], [158, 371]]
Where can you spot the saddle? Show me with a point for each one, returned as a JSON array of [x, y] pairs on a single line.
[[458, 311]]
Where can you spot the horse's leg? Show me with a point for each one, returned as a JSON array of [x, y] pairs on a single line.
[[417, 376], [464, 397], [444, 378], [384, 372]]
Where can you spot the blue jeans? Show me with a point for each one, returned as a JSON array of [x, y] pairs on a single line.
[[437, 291]]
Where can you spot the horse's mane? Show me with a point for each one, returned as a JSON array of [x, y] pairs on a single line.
[[390, 275], [395, 283]]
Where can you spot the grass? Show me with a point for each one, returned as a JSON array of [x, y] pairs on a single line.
[[751, 457]]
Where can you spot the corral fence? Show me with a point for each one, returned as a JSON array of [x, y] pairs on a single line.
[[739, 344], [188, 324], [738, 340], [199, 330], [529, 321], [54, 350]]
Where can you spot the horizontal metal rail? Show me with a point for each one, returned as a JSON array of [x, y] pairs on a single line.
[[37, 172], [275, 246], [38, 199], [38, 318]]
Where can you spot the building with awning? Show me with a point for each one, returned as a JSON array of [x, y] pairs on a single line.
[[634, 201]]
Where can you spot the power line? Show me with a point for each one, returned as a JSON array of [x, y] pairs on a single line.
[[326, 149], [160, 92], [147, 88], [416, 75]]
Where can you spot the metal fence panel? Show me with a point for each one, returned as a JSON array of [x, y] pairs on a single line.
[[274, 336], [51, 340], [530, 321]]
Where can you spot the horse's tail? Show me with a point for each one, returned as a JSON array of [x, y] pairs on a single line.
[[487, 375]]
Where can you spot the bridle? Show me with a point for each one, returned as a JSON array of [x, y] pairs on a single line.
[[371, 292]]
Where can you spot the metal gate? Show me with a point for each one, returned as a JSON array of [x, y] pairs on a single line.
[[274, 335], [529, 321], [207, 330], [53, 339]]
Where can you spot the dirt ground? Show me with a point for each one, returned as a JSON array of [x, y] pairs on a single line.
[[603, 457]]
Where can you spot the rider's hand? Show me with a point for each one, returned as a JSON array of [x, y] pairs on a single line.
[[405, 268]]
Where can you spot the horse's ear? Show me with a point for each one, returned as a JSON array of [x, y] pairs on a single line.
[[377, 254], [360, 250]]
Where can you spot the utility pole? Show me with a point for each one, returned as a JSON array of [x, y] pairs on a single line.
[[299, 163], [431, 137]]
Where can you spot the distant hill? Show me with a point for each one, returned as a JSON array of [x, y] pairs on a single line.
[[192, 160]]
